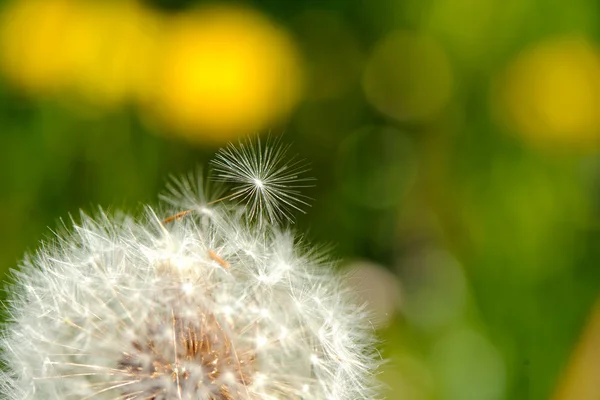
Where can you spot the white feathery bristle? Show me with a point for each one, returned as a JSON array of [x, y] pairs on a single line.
[[191, 191], [207, 306], [267, 182]]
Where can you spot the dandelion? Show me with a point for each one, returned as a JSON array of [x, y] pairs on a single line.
[[211, 306], [266, 181]]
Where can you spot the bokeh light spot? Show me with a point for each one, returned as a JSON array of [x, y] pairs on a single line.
[[378, 288], [408, 77], [468, 367], [408, 378], [436, 290], [551, 94]]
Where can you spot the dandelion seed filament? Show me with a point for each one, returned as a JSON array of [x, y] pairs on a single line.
[[197, 362]]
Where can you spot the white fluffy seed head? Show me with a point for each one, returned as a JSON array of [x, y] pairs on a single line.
[[210, 306], [265, 180]]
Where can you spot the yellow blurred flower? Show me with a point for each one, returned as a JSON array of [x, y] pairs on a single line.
[[209, 74], [224, 70], [98, 50], [110, 50], [551, 94], [31, 37]]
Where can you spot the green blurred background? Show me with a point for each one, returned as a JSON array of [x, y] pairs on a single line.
[[455, 145]]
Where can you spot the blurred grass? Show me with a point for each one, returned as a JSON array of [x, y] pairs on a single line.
[[455, 143]]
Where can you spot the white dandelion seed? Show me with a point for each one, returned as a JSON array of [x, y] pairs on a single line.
[[265, 179], [205, 307]]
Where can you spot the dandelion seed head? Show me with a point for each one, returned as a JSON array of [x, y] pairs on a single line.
[[207, 306], [264, 178], [259, 183]]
